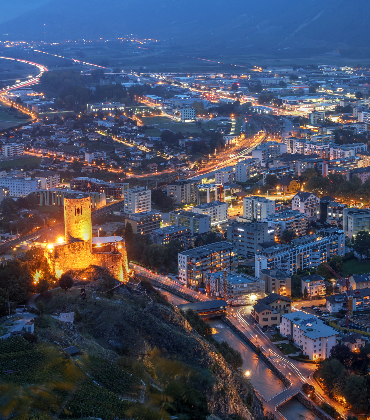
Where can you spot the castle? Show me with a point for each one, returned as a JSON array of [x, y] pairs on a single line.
[[79, 249]]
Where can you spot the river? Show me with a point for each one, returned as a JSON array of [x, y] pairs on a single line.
[[294, 410], [261, 376]]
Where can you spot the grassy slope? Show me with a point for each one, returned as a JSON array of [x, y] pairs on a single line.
[[126, 342]]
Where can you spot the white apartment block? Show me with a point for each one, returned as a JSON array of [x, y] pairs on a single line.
[[302, 253], [314, 338], [138, 200], [49, 180], [20, 187], [292, 220], [91, 157], [197, 223], [246, 169], [225, 176], [187, 114], [314, 285], [355, 220], [12, 149], [217, 210], [183, 192], [195, 263], [346, 150], [269, 151], [257, 208], [307, 203]]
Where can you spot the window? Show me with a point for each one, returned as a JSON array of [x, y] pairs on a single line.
[[265, 319], [274, 318]]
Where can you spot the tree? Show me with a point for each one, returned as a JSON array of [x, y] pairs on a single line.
[[296, 286], [343, 354], [330, 371], [129, 240], [362, 243], [305, 293], [355, 393], [65, 282], [359, 95], [336, 263], [308, 173], [287, 236], [322, 270]]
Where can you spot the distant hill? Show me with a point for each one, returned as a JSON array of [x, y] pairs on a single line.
[[325, 25]]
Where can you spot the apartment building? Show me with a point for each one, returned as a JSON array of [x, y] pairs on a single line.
[[359, 281], [314, 285], [303, 253], [225, 176], [187, 114], [358, 300], [346, 150], [292, 220], [165, 235], [49, 180], [183, 192], [355, 220], [246, 237], [193, 264], [234, 288], [197, 223], [20, 187], [269, 151], [111, 190], [331, 212], [313, 336], [307, 203], [317, 117], [361, 173], [216, 210], [144, 223], [257, 208], [276, 281], [246, 169], [364, 161], [268, 310], [138, 200], [12, 149]]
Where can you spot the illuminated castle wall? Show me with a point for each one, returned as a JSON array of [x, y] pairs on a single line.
[[80, 249]]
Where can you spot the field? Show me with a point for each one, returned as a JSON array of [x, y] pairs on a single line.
[[22, 163], [356, 267], [8, 120], [165, 123]]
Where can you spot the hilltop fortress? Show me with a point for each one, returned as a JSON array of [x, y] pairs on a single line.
[[79, 249]]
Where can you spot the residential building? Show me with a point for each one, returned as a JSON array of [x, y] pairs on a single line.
[[269, 151], [246, 237], [313, 336], [362, 173], [206, 193], [292, 220], [216, 210], [165, 235], [307, 203], [225, 176], [111, 190], [268, 311], [337, 302], [359, 281], [92, 157], [246, 169], [138, 200], [364, 159], [354, 341], [314, 285], [194, 263], [20, 187], [183, 192], [355, 220], [55, 197], [303, 253], [331, 212], [346, 150], [257, 208], [317, 117], [276, 281], [197, 223], [48, 180], [12, 149], [145, 222], [187, 114], [234, 288]]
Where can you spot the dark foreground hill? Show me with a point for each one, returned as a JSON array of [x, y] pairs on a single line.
[[245, 25], [139, 359]]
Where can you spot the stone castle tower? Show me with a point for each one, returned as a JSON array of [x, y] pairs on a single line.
[[82, 250], [77, 219]]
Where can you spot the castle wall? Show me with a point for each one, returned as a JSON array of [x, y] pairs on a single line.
[[77, 256], [77, 219]]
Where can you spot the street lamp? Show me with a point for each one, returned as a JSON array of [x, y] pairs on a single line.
[[99, 232]]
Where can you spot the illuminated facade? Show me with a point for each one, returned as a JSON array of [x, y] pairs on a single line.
[[79, 249]]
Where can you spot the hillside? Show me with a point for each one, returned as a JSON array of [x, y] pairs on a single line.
[[237, 25], [140, 358]]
